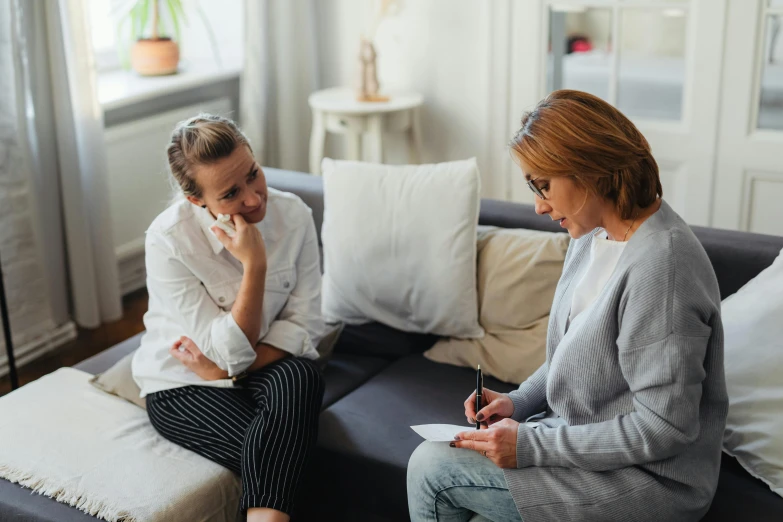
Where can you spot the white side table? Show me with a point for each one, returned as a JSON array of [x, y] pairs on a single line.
[[337, 110]]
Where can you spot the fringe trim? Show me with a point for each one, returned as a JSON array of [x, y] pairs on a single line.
[[79, 500]]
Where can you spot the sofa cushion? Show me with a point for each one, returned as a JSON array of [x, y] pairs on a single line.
[[378, 340], [518, 270], [737, 257], [345, 372], [367, 433]]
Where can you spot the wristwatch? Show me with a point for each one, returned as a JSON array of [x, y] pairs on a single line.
[[238, 377]]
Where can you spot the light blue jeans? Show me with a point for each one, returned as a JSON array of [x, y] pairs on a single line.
[[455, 484]]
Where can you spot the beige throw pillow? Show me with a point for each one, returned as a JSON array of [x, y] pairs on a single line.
[[118, 380], [518, 271]]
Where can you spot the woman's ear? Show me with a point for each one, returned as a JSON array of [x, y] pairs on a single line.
[[197, 201]]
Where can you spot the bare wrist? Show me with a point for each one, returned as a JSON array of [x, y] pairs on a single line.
[[257, 266], [218, 374]]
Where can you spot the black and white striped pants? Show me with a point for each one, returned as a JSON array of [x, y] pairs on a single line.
[[263, 430]]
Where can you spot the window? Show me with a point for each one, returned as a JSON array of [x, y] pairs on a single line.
[[770, 105], [631, 54], [210, 29], [104, 34]]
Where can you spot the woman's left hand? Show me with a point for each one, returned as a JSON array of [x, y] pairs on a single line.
[[186, 352], [498, 442]]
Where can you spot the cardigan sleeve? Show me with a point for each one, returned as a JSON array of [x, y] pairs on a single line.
[[665, 378], [530, 398]]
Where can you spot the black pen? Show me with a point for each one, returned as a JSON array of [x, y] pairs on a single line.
[[479, 388]]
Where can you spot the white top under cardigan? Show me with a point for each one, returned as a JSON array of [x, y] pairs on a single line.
[[604, 254], [193, 281]]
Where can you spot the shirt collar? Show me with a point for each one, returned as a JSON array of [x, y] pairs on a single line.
[[205, 220]]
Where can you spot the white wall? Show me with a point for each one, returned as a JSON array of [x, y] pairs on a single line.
[[226, 20], [440, 48]]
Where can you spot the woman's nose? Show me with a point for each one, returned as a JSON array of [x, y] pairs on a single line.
[[542, 207], [253, 200]]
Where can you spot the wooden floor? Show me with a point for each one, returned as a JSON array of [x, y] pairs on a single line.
[[87, 343]]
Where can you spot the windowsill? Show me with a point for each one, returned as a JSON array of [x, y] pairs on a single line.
[[120, 88]]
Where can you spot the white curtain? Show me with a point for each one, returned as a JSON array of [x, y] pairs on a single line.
[[280, 72], [65, 138], [25, 286]]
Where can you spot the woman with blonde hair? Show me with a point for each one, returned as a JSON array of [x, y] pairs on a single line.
[[234, 317], [625, 418]]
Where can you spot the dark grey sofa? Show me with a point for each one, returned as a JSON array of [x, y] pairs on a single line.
[[379, 384]]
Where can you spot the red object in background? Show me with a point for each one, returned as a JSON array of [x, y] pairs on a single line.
[[581, 46]]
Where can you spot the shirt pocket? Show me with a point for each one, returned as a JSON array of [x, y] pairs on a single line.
[[224, 293], [281, 281]]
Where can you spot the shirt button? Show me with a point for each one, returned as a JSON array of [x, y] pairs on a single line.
[[286, 284], [222, 299]]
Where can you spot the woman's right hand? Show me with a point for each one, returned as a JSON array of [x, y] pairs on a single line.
[[496, 407], [247, 245]]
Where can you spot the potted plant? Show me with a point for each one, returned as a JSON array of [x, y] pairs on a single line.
[[155, 30]]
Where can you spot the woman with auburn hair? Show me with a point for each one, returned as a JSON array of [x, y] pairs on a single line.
[[625, 418]]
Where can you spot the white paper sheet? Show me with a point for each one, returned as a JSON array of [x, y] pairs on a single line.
[[440, 432]]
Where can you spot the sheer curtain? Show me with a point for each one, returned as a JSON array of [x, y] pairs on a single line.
[[280, 72], [63, 126], [26, 289]]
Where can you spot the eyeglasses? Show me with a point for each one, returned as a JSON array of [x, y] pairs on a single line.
[[535, 189]]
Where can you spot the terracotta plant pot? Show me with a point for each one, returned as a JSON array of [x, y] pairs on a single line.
[[155, 57]]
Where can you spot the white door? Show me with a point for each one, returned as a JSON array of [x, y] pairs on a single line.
[[749, 181], [644, 57]]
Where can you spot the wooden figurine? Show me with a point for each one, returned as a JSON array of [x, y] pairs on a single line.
[[368, 86]]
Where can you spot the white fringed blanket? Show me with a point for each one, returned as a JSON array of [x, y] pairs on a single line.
[[65, 439]]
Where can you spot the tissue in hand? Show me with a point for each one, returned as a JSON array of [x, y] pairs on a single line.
[[224, 223]]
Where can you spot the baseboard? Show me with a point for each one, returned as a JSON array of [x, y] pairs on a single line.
[[40, 345]]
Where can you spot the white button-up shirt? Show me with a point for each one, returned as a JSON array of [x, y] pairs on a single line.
[[192, 281]]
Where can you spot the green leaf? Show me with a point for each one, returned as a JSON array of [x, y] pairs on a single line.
[[170, 4], [134, 19], [123, 48], [144, 15], [178, 6]]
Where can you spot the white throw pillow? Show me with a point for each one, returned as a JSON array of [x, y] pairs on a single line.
[[753, 326], [400, 246]]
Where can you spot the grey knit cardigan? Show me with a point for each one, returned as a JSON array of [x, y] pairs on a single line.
[[632, 400]]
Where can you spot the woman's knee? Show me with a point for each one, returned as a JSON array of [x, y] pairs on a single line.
[[427, 468], [300, 378]]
